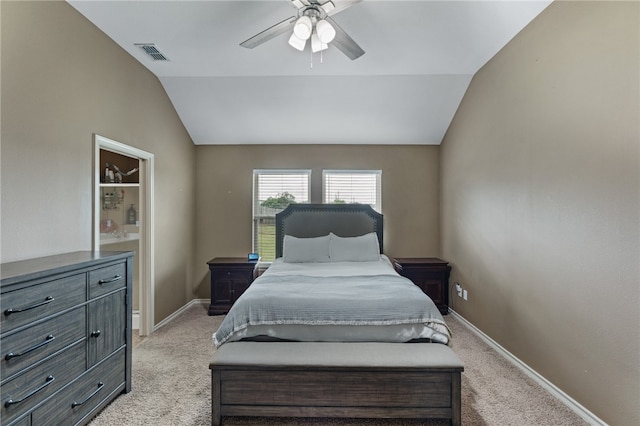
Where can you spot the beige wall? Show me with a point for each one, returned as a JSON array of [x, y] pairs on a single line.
[[224, 182], [62, 81], [540, 175], [540, 202]]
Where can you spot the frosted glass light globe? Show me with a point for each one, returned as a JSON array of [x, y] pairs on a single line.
[[325, 31], [303, 28]]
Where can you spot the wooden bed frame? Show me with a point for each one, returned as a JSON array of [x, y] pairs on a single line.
[[322, 379]]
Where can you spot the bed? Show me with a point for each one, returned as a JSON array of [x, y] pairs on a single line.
[[331, 330]]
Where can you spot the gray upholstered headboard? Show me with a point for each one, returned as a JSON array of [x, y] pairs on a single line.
[[317, 220]]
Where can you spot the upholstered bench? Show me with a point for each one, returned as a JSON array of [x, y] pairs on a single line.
[[314, 379]]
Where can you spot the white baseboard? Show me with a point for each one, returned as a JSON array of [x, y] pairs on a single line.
[[135, 320], [179, 311], [574, 405]]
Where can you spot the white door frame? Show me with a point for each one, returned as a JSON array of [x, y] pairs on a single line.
[[146, 255]]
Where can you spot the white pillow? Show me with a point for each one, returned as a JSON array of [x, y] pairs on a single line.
[[364, 248], [296, 250]]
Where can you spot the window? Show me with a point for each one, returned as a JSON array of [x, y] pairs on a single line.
[[273, 191], [353, 186]]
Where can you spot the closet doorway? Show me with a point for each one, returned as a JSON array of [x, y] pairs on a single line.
[[123, 217]]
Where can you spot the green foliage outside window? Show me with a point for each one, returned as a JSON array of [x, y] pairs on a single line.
[[280, 201]]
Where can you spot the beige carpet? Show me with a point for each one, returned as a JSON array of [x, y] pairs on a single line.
[[171, 385]]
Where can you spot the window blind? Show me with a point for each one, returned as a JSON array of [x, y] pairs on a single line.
[[273, 191], [353, 186]]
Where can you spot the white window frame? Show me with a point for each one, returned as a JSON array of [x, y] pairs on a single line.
[[328, 196], [259, 214]]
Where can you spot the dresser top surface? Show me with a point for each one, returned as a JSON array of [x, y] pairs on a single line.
[[29, 269]]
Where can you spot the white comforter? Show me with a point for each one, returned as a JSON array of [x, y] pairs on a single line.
[[336, 301]]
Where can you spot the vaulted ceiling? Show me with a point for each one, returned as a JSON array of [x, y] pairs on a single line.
[[420, 58]]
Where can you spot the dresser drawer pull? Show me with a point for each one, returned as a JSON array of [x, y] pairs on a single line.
[[95, 333], [100, 386], [50, 338], [10, 402], [110, 280], [10, 311]]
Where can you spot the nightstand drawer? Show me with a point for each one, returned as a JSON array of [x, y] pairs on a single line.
[[232, 275]]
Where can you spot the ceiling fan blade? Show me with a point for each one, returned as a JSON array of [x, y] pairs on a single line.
[[328, 6], [341, 5], [299, 4], [269, 33], [344, 42]]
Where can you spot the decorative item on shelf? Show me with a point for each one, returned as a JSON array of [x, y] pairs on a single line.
[[132, 215], [108, 226], [111, 199], [108, 175], [115, 175]]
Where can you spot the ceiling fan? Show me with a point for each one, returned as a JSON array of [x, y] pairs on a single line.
[[312, 22]]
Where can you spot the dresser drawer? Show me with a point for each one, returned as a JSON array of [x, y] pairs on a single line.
[[81, 397], [104, 280], [32, 345], [25, 421], [32, 387], [26, 305]]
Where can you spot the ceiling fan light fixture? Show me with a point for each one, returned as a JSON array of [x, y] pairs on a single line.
[[326, 32], [316, 44], [303, 28], [296, 42]]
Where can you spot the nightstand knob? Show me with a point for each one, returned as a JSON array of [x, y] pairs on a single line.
[[228, 273]]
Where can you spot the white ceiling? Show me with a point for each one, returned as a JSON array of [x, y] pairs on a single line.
[[420, 58]]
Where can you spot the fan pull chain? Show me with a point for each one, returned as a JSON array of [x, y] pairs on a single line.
[[321, 59]]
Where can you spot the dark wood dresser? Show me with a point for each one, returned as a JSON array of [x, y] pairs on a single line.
[[65, 336], [430, 274], [230, 277]]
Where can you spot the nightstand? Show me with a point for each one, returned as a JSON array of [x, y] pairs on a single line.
[[430, 274], [230, 277]]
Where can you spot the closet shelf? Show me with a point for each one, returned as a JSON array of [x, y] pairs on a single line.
[[106, 239], [119, 185]]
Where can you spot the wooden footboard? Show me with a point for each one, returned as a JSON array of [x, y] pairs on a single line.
[[383, 380]]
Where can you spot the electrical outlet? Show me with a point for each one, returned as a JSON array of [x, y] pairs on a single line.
[[459, 289], [464, 294]]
